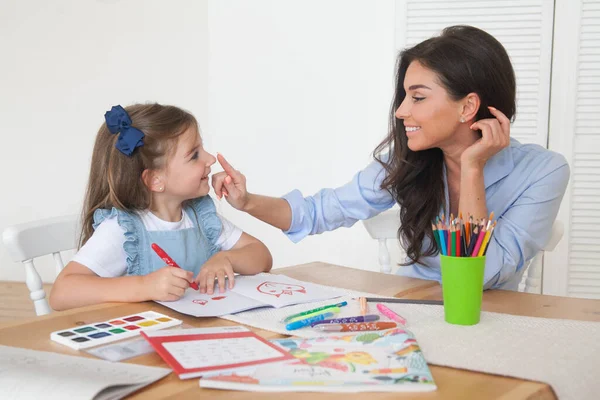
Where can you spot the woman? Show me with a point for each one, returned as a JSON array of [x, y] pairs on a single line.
[[448, 151]]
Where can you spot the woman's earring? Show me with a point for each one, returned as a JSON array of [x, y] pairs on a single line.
[[161, 189], [462, 120]]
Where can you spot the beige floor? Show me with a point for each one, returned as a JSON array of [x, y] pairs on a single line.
[[15, 302]]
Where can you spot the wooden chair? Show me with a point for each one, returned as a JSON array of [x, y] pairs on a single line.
[[27, 241], [384, 227]]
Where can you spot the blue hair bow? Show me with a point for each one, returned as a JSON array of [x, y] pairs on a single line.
[[117, 120]]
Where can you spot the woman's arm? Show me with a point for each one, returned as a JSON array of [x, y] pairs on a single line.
[[299, 216], [274, 211], [495, 137], [525, 228]]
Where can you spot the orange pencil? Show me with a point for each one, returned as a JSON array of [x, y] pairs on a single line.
[[468, 230], [458, 246]]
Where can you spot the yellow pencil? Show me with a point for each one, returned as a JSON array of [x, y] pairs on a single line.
[[484, 244]]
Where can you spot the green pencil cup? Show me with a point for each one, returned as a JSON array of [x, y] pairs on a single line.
[[462, 287]]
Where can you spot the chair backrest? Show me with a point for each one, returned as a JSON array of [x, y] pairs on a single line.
[[533, 276], [27, 241], [382, 227]]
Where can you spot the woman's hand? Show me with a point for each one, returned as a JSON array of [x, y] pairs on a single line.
[[231, 184], [217, 267], [495, 137], [167, 284]]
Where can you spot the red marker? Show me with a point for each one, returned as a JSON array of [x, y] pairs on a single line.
[[169, 261]]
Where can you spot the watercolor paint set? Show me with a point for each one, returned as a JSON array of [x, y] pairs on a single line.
[[82, 337]]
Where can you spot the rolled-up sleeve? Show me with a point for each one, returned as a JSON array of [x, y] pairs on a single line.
[[525, 228], [329, 209]]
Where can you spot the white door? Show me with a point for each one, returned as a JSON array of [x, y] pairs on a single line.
[[573, 269]]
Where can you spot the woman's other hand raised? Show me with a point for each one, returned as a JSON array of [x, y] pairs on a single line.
[[495, 137]]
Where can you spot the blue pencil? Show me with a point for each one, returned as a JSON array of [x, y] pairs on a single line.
[[443, 241]]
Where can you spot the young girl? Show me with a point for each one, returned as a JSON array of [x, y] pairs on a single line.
[[149, 184]]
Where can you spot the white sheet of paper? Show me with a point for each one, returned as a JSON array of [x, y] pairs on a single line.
[[31, 374], [214, 352], [279, 290], [211, 305]]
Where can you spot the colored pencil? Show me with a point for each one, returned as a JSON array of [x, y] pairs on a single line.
[[478, 244]]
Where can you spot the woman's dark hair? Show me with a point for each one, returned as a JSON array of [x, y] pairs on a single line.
[[466, 60]]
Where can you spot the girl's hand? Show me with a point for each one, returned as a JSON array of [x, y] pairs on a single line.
[[231, 184], [167, 284], [217, 267], [495, 136]]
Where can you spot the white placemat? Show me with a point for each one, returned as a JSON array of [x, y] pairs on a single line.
[[563, 353]]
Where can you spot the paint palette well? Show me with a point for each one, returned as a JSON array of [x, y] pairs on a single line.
[[82, 337]]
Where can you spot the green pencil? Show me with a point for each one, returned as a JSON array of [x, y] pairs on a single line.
[[291, 317]]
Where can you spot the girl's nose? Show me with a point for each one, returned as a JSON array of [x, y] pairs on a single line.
[[210, 159]]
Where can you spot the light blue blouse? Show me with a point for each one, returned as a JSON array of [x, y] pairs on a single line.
[[524, 185]]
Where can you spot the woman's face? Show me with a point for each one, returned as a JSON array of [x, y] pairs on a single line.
[[429, 115]]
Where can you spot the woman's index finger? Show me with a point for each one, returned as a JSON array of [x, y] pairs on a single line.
[[226, 166]]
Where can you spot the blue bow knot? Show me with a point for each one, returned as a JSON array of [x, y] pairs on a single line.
[[117, 120]]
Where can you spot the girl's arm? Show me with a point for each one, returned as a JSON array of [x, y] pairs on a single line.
[[249, 256], [78, 286]]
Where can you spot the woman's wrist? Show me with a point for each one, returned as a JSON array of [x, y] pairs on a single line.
[[471, 170], [250, 203]]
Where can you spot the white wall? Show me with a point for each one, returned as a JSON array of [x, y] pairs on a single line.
[[299, 93], [295, 93], [64, 63]]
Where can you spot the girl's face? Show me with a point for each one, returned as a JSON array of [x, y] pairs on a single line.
[[429, 115], [186, 174]]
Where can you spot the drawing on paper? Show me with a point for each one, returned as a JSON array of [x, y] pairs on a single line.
[[277, 289]]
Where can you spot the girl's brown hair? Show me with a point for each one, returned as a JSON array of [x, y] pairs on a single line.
[[466, 60], [116, 179]]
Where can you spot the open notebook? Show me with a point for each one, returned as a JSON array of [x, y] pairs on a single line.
[[32, 374], [382, 361], [250, 291]]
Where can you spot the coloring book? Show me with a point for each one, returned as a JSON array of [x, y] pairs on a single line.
[[249, 291], [382, 361]]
